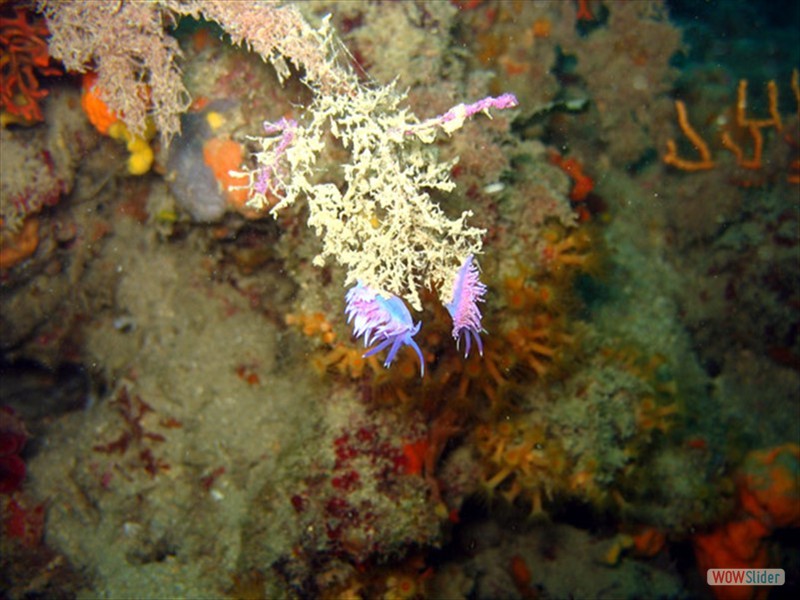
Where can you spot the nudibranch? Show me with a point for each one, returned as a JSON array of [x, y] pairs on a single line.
[[384, 319], [467, 292]]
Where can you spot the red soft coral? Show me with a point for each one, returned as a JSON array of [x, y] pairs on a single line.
[[23, 58]]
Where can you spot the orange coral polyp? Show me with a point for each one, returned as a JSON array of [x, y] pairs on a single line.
[[343, 361], [498, 478], [313, 325], [520, 462]]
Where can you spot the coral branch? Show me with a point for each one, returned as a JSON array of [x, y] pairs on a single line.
[[671, 158], [741, 108], [23, 57], [742, 125], [753, 126], [758, 148]]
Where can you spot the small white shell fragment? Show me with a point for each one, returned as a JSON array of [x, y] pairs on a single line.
[[494, 188]]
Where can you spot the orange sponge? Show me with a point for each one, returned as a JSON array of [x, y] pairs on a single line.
[[769, 498], [769, 486], [734, 545], [224, 155], [96, 110]]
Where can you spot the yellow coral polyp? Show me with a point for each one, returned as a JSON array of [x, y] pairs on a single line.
[[401, 587], [531, 347], [520, 296], [313, 325], [215, 120], [345, 361], [621, 544], [477, 374], [141, 154], [651, 416], [520, 462], [141, 158], [569, 251], [337, 358]]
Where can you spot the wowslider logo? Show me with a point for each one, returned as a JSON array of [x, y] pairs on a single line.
[[745, 577]]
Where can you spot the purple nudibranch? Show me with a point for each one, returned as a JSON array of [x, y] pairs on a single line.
[[467, 292], [383, 319]]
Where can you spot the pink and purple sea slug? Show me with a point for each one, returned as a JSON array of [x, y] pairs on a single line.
[[383, 319], [463, 308]]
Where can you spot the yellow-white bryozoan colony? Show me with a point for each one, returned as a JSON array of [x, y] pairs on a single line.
[[376, 216]]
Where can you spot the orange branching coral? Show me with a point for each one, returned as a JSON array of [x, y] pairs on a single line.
[[23, 58], [672, 158], [753, 126], [758, 148], [744, 126], [741, 107]]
